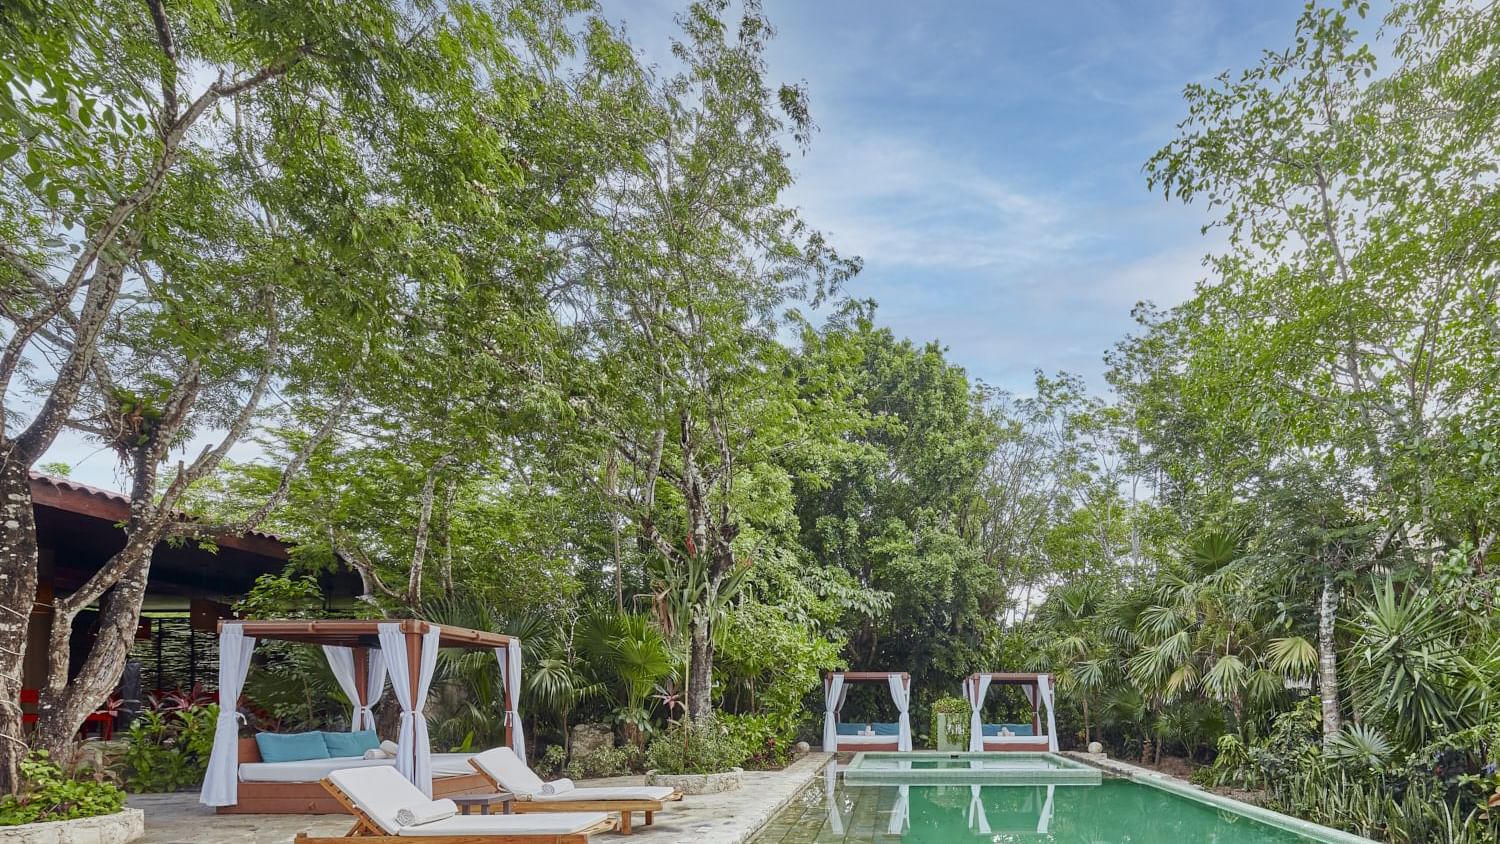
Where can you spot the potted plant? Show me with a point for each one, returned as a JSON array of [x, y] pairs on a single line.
[[696, 757]]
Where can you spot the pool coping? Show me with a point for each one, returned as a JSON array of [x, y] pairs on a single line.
[[1067, 772], [1173, 785]]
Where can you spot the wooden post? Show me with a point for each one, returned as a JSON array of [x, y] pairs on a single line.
[[361, 679], [414, 669], [509, 704]]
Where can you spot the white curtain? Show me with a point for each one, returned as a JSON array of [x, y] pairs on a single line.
[[830, 794], [832, 699], [978, 821], [1044, 823], [902, 696], [374, 687], [838, 709], [221, 782], [899, 812], [510, 679], [1044, 685], [414, 750], [976, 688], [341, 661]]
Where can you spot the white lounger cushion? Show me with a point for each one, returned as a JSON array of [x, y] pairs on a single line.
[[381, 792], [312, 770], [506, 768], [540, 823], [618, 792]]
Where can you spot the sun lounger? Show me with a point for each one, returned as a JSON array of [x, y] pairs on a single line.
[[505, 769], [375, 795]]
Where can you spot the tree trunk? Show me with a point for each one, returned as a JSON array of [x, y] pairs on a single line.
[[18, 569], [700, 672], [1328, 673]]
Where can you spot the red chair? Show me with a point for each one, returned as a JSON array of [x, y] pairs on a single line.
[[104, 719], [30, 697]]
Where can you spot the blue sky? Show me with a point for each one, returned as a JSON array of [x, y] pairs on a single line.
[[984, 158]]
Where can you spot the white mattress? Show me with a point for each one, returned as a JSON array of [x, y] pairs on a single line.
[[855, 741], [312, 770], [1015, 739]]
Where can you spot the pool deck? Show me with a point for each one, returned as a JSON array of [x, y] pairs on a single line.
[[728, 818]]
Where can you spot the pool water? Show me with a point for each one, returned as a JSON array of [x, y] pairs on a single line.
[[1116, 811]]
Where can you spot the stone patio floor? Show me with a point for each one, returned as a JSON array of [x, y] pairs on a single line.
[[728, 818]]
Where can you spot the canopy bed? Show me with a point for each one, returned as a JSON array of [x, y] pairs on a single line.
[[282, 774], [1012, 736], [840, 736]]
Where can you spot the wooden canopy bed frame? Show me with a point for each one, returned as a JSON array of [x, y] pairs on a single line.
[[313, 798], [865, 677]]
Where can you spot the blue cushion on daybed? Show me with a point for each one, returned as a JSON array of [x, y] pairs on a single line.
[[350, 744], [291, 747], [1018, 729], [880, 729]]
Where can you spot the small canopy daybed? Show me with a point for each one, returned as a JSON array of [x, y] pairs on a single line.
[[1011, 737], [839, 736], [362, 654]]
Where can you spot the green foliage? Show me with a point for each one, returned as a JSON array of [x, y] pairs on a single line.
[[957, 711], [47, 793], [689, 747], [603, 762], [168, 751]]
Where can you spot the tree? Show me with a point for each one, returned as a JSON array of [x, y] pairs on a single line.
[[685, 275], [208, 211]]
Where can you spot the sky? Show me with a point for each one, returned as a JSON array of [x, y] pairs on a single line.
[[985, 159]]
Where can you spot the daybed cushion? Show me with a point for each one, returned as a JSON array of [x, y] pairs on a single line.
[[880, 729], [620, 792], [382, 792], [852, 741], [993, 730], [350, 744], [291, 747], [312, 770]]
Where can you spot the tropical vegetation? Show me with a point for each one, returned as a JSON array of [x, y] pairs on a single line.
[[524, 332]]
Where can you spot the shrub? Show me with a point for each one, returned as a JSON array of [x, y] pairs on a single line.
[[687, 747], [168, 751], [763, 739], [602, 762], [553, 760], [47, 793]]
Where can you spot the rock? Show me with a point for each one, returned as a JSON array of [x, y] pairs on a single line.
[[122, 827], [698, 783], [589, 739], [802, 748], [1095, 748]]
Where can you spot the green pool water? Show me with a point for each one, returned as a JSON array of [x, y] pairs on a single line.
[[1113, 811]]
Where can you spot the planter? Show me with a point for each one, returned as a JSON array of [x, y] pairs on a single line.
[[698, 783], [120, 828], [943, 739]]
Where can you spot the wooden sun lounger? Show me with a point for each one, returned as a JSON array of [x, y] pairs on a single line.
[[369, 832], [524, 803]]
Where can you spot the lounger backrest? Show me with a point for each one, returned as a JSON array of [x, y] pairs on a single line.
[[379, 792], [503, 766]]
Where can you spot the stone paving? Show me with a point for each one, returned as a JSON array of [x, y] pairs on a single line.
[[727, 818]]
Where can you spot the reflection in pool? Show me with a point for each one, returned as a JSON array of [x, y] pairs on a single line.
[[1112, 811]]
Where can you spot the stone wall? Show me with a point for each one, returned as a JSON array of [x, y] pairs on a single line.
[[121, 828]]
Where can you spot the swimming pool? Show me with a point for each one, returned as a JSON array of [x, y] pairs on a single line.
[[1114, 810]]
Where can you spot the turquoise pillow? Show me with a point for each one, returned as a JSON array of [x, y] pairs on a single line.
[[291, 747], [350, 744]]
